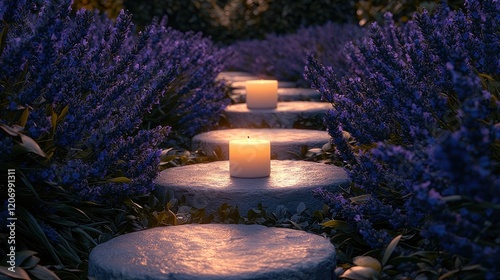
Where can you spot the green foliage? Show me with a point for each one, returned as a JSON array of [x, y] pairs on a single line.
[[179, 157], [374, 10], [110, 7], [62, 238], [27, 266], [230, 20]]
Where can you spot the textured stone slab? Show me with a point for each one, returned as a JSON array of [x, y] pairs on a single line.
[[232, 77], [284, 116], [285, 143], [214, 251], [284, 94], [281, 84], [209, 185]]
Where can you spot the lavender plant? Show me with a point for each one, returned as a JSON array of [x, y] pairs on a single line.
[[84, 89], [284, 56], [421, 102], [194, 101], [87, 84], [74, 91]]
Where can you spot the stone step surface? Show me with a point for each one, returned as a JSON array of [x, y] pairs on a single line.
[[285, 115], [209, 185], [284, 94], [231, 77], [285, 143], [214, 252]]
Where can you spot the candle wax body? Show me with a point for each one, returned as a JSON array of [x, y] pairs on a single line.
[[261, 94], [249, 158]]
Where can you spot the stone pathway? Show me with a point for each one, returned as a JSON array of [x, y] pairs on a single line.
[[209, 185], [284, 116], [231, 77], [214, 251], [285, 144], [236, 252]]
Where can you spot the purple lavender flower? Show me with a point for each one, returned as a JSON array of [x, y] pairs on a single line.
[[425, 125], [284, 56], [90, 83]]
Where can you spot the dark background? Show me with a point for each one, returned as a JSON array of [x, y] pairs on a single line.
[[226, 21]]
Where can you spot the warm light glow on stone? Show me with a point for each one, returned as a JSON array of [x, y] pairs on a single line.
[[214, 251]]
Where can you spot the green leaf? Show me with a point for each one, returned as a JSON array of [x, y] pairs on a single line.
[[297, 226], [175, 221], [338, 224], [30, 263], [367, 261], [318, 214], [22, 256], [119, 180], [281, 211], [71, 211], [67, 251], [37, 233], [486, 76], [461, 270], [360, 198], [91, 229], [41, 272], [18, 274], [3, 37], [426, 254], [11, 131], [28, 145], [86, 235], [172, 203], [132, 204], [53, 121], [24, 117], [301, 208], [390, 248], [360, 273], [28, 184], [64, 222], [63, 114]]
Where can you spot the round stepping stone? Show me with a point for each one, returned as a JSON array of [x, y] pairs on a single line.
[[236, 76], [285, 143], [209, 185], [281, 84], [284, 116], [285, 94], [213, 252]]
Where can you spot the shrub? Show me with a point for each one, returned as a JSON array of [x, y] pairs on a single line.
[[74, 90], [194, 101], [79, 87], [232, 20], [421, 103], [110, 7], [373, 10], [284, 56]]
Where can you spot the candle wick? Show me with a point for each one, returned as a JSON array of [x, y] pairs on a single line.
[[248, 137]]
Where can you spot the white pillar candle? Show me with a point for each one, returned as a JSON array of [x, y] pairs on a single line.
[[261, 94], [249, 158]]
